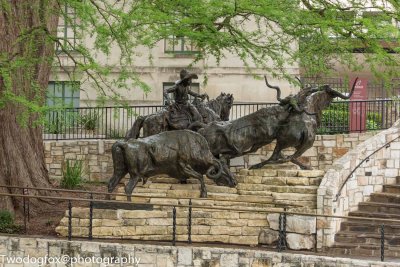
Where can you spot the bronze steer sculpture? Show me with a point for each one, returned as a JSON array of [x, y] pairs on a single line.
[[180, 154], [215, 110], [249, 133], [299, 129]]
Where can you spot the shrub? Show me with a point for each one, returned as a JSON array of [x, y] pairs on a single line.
[[115, 134], [336, 120], [7, 224], [72, 174], [89, 121]]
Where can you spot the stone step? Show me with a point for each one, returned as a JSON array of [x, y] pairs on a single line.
[[286, 166], [369, 250], [291, 181], [385, 197], [277, 189], [367, 238], [393, 208], [392, 188], [282, 173], [380, 215], [370, 227]]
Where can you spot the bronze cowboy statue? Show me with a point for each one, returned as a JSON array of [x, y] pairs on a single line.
[[181, 113]]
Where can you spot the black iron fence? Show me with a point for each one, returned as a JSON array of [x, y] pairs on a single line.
[[385, 244], [114, 122]]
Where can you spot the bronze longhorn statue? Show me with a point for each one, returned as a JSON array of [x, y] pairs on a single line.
[[180, 154], [299, 129], [251, 132]]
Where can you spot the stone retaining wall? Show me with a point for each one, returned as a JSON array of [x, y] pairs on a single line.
[[382, 168], [264, 189], [98, 162], [163, 256]]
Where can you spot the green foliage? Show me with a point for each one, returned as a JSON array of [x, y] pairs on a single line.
[[115, 134], [265, 34], [72, 174], [7, 224], [336, 120], [59, 121], [90, 120]]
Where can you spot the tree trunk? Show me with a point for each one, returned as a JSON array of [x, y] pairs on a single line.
[[27, 31]]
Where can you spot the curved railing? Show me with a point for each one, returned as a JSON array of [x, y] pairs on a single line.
[[366, 159]]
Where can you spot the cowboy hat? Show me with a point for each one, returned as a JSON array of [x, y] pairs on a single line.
[[185, 75]]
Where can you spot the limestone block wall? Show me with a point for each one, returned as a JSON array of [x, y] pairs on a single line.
[[382, 168], [326, 149], [100, 253], [96, 154], [260, 196]]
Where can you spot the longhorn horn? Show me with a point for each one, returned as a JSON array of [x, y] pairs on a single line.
[[338, 94], [278, 90]]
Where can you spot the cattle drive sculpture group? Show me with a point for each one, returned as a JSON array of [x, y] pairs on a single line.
[[167, 148]]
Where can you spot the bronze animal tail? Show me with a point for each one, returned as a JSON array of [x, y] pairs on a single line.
[[217, 167], [135, 130], [120, 169]]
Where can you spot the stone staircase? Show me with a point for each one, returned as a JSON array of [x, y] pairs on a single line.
[[363, 237], [272, 186]]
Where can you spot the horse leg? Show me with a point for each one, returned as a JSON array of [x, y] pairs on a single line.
[[134, 131]]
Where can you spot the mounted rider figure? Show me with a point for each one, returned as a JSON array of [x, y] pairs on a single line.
[[182, 113]]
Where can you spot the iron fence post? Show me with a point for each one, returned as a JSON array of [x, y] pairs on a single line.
[[190, 222], [173, 226], [382, 242], [280, 233], [24, 207], [284, 229], [28, 205], [316, 235], [69, 220], [90, 235]]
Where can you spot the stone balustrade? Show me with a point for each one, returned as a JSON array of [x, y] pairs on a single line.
[[382, 168]]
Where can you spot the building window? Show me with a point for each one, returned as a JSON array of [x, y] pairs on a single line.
[[66, 29], [179, 45], [195, 87], [63, 94], [343, 19], [379, 20]]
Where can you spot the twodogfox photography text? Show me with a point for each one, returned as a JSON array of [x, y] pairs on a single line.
[[71, 260]]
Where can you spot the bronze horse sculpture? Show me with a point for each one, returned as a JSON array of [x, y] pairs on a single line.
[[214, 110], [249, 133]]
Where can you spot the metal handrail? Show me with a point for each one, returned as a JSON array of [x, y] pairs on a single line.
[[205, 208], [366, 159], [135, 195]]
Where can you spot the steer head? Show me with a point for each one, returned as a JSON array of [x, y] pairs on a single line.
[[294, 102], [222, 174]]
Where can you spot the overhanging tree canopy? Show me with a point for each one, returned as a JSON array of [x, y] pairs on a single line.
[[312, 33]]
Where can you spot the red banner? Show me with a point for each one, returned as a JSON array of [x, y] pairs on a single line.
[[358, 108]]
